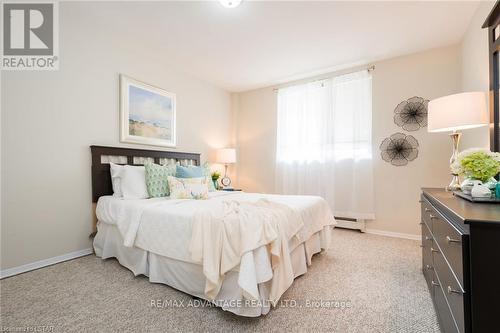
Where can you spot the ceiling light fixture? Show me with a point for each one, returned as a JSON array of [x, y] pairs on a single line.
[[230, 3]]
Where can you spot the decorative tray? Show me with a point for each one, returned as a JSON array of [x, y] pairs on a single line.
[[471, 199]]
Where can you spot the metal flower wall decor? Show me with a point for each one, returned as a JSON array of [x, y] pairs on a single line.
[[399, 149], [411, 114]]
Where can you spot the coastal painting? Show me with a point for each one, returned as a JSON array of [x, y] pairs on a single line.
[[147, 114]]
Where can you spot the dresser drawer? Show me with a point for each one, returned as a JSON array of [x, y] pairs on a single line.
[[449, 240], [446, 322], [427, 268], [452, 290], [427, 213]]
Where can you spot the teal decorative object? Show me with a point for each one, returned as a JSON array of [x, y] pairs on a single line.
[[469, 183], [491, 183]]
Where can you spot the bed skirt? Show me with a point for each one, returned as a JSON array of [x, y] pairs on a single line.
[[188, 277]]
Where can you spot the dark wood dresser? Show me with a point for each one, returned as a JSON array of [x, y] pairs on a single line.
[[461, 261]]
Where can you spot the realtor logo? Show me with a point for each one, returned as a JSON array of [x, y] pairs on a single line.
[[29, 39]]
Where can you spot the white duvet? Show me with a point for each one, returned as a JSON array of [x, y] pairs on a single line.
[[175, 229]]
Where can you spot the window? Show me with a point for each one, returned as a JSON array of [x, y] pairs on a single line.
[[324, 120], [324, 143]]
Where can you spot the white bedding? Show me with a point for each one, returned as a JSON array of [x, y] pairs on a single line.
[[164, 227], [190, 279]]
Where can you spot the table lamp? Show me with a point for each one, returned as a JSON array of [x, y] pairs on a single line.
[[226, 156], [454, 113]]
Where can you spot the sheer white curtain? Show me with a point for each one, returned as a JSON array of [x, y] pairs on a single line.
[[324, 143]]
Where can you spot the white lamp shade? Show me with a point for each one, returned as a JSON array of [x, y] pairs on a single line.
[[226, 156], [457, 112]]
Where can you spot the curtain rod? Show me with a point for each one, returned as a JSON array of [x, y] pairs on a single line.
[[340, 72]]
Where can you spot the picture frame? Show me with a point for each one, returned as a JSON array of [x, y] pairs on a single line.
[[147, 114]]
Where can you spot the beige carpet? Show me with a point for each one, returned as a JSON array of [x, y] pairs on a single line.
[[380, 277]]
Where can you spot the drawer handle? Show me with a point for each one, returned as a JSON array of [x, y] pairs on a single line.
[[433, 217], [427, 209], [434, 250], [429, 267], [421, 223], [428, 238], [451, 290], [420, 201], [451, 240], [435, 284]]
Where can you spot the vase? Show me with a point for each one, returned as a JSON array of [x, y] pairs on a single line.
[[469, 183], [215, 184]]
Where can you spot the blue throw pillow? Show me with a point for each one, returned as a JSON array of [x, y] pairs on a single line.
[[194, 171], [189, 172]]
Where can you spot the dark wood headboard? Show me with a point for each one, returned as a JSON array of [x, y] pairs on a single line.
[[101, 156]]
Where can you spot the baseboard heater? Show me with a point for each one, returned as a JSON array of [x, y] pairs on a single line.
[[350, 223]]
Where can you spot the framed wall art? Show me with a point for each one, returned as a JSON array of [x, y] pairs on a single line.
[[147, 114]]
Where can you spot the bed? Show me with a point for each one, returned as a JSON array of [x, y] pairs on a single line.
[[240, 251]]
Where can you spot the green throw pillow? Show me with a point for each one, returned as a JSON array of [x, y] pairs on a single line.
[[156, 179]]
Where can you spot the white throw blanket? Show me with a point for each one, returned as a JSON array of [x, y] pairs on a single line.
[[221, 242], [165, 227]]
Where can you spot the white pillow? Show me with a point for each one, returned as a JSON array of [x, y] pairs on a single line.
[[115, 171], [133, 182], [188, 188]]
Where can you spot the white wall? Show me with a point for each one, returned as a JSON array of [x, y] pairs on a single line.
[[49, 120], [428, 74], [256, 140], [475, 68]]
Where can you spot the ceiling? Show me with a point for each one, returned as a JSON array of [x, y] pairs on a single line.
[[262, 43]]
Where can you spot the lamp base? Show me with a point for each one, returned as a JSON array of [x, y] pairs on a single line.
[[225, 181], [454, 185], [455, 182]]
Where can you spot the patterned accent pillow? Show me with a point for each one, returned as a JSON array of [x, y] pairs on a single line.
[[188, 188], [157, 179], [208, 173]]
